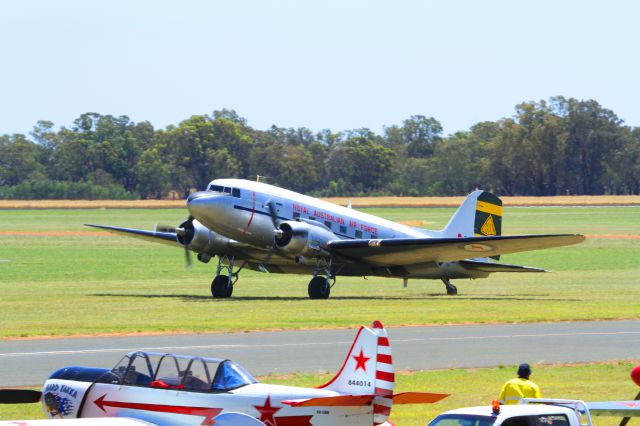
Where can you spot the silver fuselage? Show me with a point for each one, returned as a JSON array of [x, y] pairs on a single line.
[[239, 210]]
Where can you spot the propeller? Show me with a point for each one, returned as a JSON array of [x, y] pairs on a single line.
[[277, 232], [185, 233], [19, 396]]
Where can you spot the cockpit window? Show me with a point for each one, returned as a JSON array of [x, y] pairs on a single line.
[[224, 190], [231, 376]]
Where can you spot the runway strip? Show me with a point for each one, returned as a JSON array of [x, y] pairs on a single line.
[[29, 362]]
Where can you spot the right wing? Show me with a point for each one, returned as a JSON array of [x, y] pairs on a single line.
[[408, 251]]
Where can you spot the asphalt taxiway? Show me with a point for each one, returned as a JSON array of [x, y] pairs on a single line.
[[29, 362]]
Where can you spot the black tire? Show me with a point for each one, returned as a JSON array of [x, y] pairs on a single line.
[[452, 290], [221, 288], [319, 288]]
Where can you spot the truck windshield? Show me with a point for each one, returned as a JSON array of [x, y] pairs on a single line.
[[462, 420]]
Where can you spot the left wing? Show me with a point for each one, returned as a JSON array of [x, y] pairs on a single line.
[[154, 236], [408, 251]]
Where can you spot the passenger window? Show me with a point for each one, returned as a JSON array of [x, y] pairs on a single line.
[[358, 233], [227, 190], [374, 236], [343, 229], [216, 188], [235, 192], [296, 215], [327, 224]]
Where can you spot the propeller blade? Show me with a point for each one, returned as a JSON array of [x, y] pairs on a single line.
[[186, 231], [273, 213], [187, 255], [19, 396]]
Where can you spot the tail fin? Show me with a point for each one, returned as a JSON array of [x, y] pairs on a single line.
[[368, 370], [479, 215]]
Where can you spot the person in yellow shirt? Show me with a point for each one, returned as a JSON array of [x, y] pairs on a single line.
[[516, 389]]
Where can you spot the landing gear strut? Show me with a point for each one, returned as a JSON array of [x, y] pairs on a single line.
[[319, 286], [222, 285], [452, 290]]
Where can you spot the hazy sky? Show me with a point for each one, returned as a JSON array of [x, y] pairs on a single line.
[[319, 64]]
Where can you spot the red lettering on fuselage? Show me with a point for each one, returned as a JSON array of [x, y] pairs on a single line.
[[328, 216], [299, 208], [367, 228]]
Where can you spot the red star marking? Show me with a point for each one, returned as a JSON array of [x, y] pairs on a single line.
[[361, 361], [267, 411]]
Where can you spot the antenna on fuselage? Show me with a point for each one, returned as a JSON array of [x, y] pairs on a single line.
[[258, 177], [349, 204]]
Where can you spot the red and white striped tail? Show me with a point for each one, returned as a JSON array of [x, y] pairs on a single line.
[[385, 377], [368, 370]]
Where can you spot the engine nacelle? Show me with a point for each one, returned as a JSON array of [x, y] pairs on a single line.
[[201, 239], [304, 239]]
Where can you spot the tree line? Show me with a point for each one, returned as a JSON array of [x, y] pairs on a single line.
[[556, 147]]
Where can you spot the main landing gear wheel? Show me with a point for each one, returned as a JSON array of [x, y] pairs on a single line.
[[319, 288], [452, 290], [221, 287]]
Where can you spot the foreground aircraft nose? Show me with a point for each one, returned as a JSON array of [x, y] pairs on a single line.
[[203, 205]]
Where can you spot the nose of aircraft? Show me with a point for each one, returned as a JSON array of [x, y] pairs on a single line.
[[203, 205]]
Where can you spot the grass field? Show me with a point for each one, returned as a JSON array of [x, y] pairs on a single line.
[[468, 387], [59, 278]]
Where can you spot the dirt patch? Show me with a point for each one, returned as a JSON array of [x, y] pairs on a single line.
[[614, 236]]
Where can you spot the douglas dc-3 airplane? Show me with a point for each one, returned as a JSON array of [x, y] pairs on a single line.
[[166, 389], [270, 229]]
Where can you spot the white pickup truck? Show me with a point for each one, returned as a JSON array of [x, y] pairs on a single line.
[[537, 412]]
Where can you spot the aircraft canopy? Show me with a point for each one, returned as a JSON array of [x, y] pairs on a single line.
[[189, 373]]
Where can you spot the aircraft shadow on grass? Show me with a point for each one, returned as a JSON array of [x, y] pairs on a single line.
[[435, 297]]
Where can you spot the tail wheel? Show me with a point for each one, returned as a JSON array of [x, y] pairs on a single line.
[[221, 287], [319, 288]]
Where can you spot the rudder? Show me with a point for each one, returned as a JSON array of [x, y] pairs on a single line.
[[368, 370], [479, 215]]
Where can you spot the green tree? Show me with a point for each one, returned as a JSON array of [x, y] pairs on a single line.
[[362, 164], [20, 159]]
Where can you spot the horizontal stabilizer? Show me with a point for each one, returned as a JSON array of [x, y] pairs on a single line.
[[479, 265], [615, 408], [153, 236], [332, 401], [418, 397], [360, 400], [409, 251]]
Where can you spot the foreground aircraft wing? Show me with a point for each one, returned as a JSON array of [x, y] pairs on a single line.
[[408, 251], [615, 408], [154, 236]]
